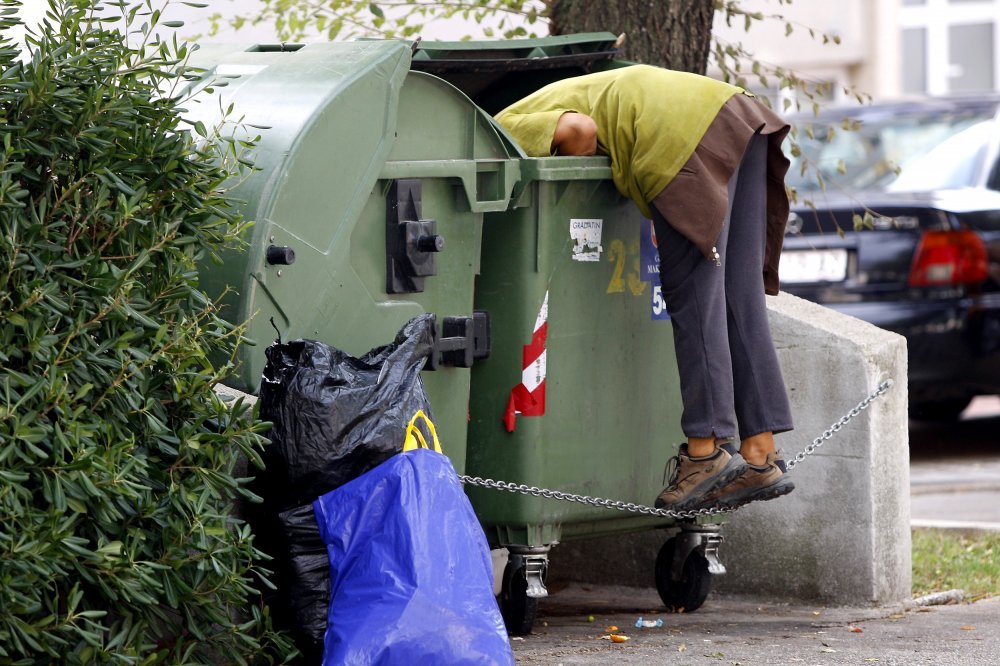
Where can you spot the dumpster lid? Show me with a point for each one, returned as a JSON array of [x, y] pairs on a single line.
[[514, 54], [496, 73]]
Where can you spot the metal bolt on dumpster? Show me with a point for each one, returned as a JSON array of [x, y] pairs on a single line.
[[386, 190]]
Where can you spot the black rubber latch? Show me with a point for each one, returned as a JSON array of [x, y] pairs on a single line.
[[411, 243], [279, 255], [461, 341]]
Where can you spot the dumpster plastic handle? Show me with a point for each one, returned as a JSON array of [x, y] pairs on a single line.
[[468, 172]]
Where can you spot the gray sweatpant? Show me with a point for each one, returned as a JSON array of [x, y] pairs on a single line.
[[728, 368]]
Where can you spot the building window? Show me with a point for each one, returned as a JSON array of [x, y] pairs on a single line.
[[949, 46], [914, 62], [970, 57]]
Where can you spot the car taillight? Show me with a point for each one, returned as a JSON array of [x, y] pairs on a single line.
[[948, 257]]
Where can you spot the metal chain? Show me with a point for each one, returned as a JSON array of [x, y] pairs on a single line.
[[585, 499], [670, 513], [835, 428]]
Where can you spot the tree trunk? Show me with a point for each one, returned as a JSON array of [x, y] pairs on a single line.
[[675, 34]]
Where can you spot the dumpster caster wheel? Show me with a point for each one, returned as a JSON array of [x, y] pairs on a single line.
[[687, 592], [517, 608], [523, 585]]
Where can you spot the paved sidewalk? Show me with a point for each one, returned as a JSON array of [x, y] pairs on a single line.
[[730, 631]]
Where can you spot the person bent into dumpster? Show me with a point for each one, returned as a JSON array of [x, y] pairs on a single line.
[[703, 160]]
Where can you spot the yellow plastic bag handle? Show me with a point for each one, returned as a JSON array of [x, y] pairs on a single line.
[[415, 438]]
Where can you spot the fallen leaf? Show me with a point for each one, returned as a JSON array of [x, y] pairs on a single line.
[[682, 647], [967, 627], [717, 655], [815, 612], [872, 659], [827, 649]]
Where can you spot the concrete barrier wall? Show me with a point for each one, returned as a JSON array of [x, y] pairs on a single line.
[[843, 536]]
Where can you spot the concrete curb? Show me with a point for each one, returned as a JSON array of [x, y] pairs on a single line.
[[961, 525]]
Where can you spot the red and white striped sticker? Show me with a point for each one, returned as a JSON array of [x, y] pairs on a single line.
[[528, 397]]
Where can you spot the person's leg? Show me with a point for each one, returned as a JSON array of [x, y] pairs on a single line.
[[746, 370], [694, 294], [761, 402]]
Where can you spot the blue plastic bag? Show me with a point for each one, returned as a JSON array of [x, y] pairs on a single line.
[[411, 580]]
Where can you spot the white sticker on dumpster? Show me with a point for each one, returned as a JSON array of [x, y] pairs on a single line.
[[586, 235]]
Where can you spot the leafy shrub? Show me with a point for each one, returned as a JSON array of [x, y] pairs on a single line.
[[117, 460]]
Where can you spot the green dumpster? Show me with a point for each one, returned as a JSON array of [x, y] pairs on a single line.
[[580, 393], [384, 190], [372, 181]]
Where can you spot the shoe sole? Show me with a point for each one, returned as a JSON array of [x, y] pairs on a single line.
[[779, 488]]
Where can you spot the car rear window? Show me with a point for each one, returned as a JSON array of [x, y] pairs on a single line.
[[899, 151]]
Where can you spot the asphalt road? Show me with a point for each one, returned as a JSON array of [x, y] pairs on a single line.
[[955, 469], [955, 482]]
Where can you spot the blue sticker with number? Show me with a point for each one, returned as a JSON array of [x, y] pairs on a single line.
[[659, 309], [649, 257]]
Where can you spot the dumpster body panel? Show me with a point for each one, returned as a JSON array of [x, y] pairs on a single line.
[[611, 393], [373, 149], [348, 130]]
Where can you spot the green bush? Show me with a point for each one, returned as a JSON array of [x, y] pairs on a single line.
[[117, 481]]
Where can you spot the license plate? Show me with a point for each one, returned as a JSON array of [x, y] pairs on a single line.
[[799, 266]]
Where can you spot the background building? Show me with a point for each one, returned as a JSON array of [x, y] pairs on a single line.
[[888, 48]]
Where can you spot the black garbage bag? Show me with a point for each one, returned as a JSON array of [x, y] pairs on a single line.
[[305, 590], [334, 418]]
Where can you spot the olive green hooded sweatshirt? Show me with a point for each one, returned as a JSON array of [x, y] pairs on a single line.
[[649, 121], [674, 140]]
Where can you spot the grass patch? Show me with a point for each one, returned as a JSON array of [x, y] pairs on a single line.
[[946, 560]]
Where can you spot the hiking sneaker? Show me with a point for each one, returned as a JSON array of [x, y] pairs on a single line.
[[695, 478], [753, 483]]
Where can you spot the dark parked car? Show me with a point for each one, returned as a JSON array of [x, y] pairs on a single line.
[[928, 268]]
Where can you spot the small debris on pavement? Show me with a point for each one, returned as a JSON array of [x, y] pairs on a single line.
[[855, 630], [940, 598], [640, 623]]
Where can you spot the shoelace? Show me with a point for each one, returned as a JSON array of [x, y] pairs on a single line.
[[671, 469]]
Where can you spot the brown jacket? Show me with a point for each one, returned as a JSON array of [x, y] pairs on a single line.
[[696, 200]]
